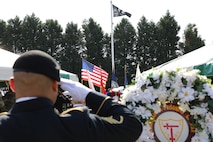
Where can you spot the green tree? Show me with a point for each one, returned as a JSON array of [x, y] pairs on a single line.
[[72, 49], [107, 57], [13, 38], [125, 43], [167, 38], [93, 36], [52, 32], [32, 33], [146, 44], [2, 30], [107, 50], [192, 40]]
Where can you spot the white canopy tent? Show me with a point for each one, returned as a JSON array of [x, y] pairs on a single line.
[[201, 58], [8, 59]]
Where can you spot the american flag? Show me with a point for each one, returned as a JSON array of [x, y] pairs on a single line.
[[98, 75]]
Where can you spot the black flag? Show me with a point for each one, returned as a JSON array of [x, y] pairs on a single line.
[[118, 12]]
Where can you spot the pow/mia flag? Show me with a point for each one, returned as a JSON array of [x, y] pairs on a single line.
[[118, 12]]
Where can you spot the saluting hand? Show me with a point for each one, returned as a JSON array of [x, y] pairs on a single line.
[[77, 90]]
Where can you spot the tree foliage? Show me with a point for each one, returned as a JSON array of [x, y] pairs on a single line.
[[2, 30], [167, 30], [52, 37], [13, 37], [151, 44], [147, 44], [93, 36], [192, 40], [32, 33], [124, 46], [73, 49]]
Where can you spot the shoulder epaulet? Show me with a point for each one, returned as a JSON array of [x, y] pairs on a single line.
[[3, 113], [72, 109]]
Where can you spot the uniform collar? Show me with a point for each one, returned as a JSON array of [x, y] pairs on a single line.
[[24, 99], [31, 105]]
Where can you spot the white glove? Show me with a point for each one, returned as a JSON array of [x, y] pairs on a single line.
[[77, 90]]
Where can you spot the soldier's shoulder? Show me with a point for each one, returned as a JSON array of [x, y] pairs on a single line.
[[70, 110]]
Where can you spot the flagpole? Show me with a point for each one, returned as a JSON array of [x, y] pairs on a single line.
[[112, 40], [125, 77]]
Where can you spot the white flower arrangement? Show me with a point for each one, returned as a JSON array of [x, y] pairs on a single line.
[[191, 91]]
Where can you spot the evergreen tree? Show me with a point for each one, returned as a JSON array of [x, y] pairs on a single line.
[[93, 36], [125, 43], [73, 49], [192, 40], [167, 38], [32, 33], [146, 44], [2, 30], [52, 33], [153, 45], [13, 37], [107, 63]]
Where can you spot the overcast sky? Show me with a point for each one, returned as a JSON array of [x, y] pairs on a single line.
[[197, 12]]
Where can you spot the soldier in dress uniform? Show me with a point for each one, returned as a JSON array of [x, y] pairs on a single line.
[[32, 118]]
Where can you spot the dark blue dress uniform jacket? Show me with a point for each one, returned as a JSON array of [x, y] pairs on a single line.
[[36, 121]]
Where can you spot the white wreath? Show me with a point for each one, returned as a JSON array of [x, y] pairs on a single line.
[[187, 88]]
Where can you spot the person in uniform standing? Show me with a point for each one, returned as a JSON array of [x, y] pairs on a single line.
[[35, 82]]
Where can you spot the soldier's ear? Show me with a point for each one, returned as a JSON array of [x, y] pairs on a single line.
[[55, 86], [12, 85]]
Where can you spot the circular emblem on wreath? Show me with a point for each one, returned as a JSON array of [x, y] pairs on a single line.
[[172, 105], [172, 125]]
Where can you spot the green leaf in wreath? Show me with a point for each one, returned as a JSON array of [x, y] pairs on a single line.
[[150, 76], [210, 105], [184, 81]]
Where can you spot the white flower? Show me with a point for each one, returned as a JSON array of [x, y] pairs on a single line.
[[208, 89], [209, 117], [200, 137], [202, 123], [195, 139], [209, 122], [203, 136], [190, 76], [186, 88], [186, 94], [184, 107], [156, 74], [147, 135], [210, 128], [155, 107], [172, 97], [146, 96], [143, 112], [201, 96], [162, 95], [198, 111], [128, 94]]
